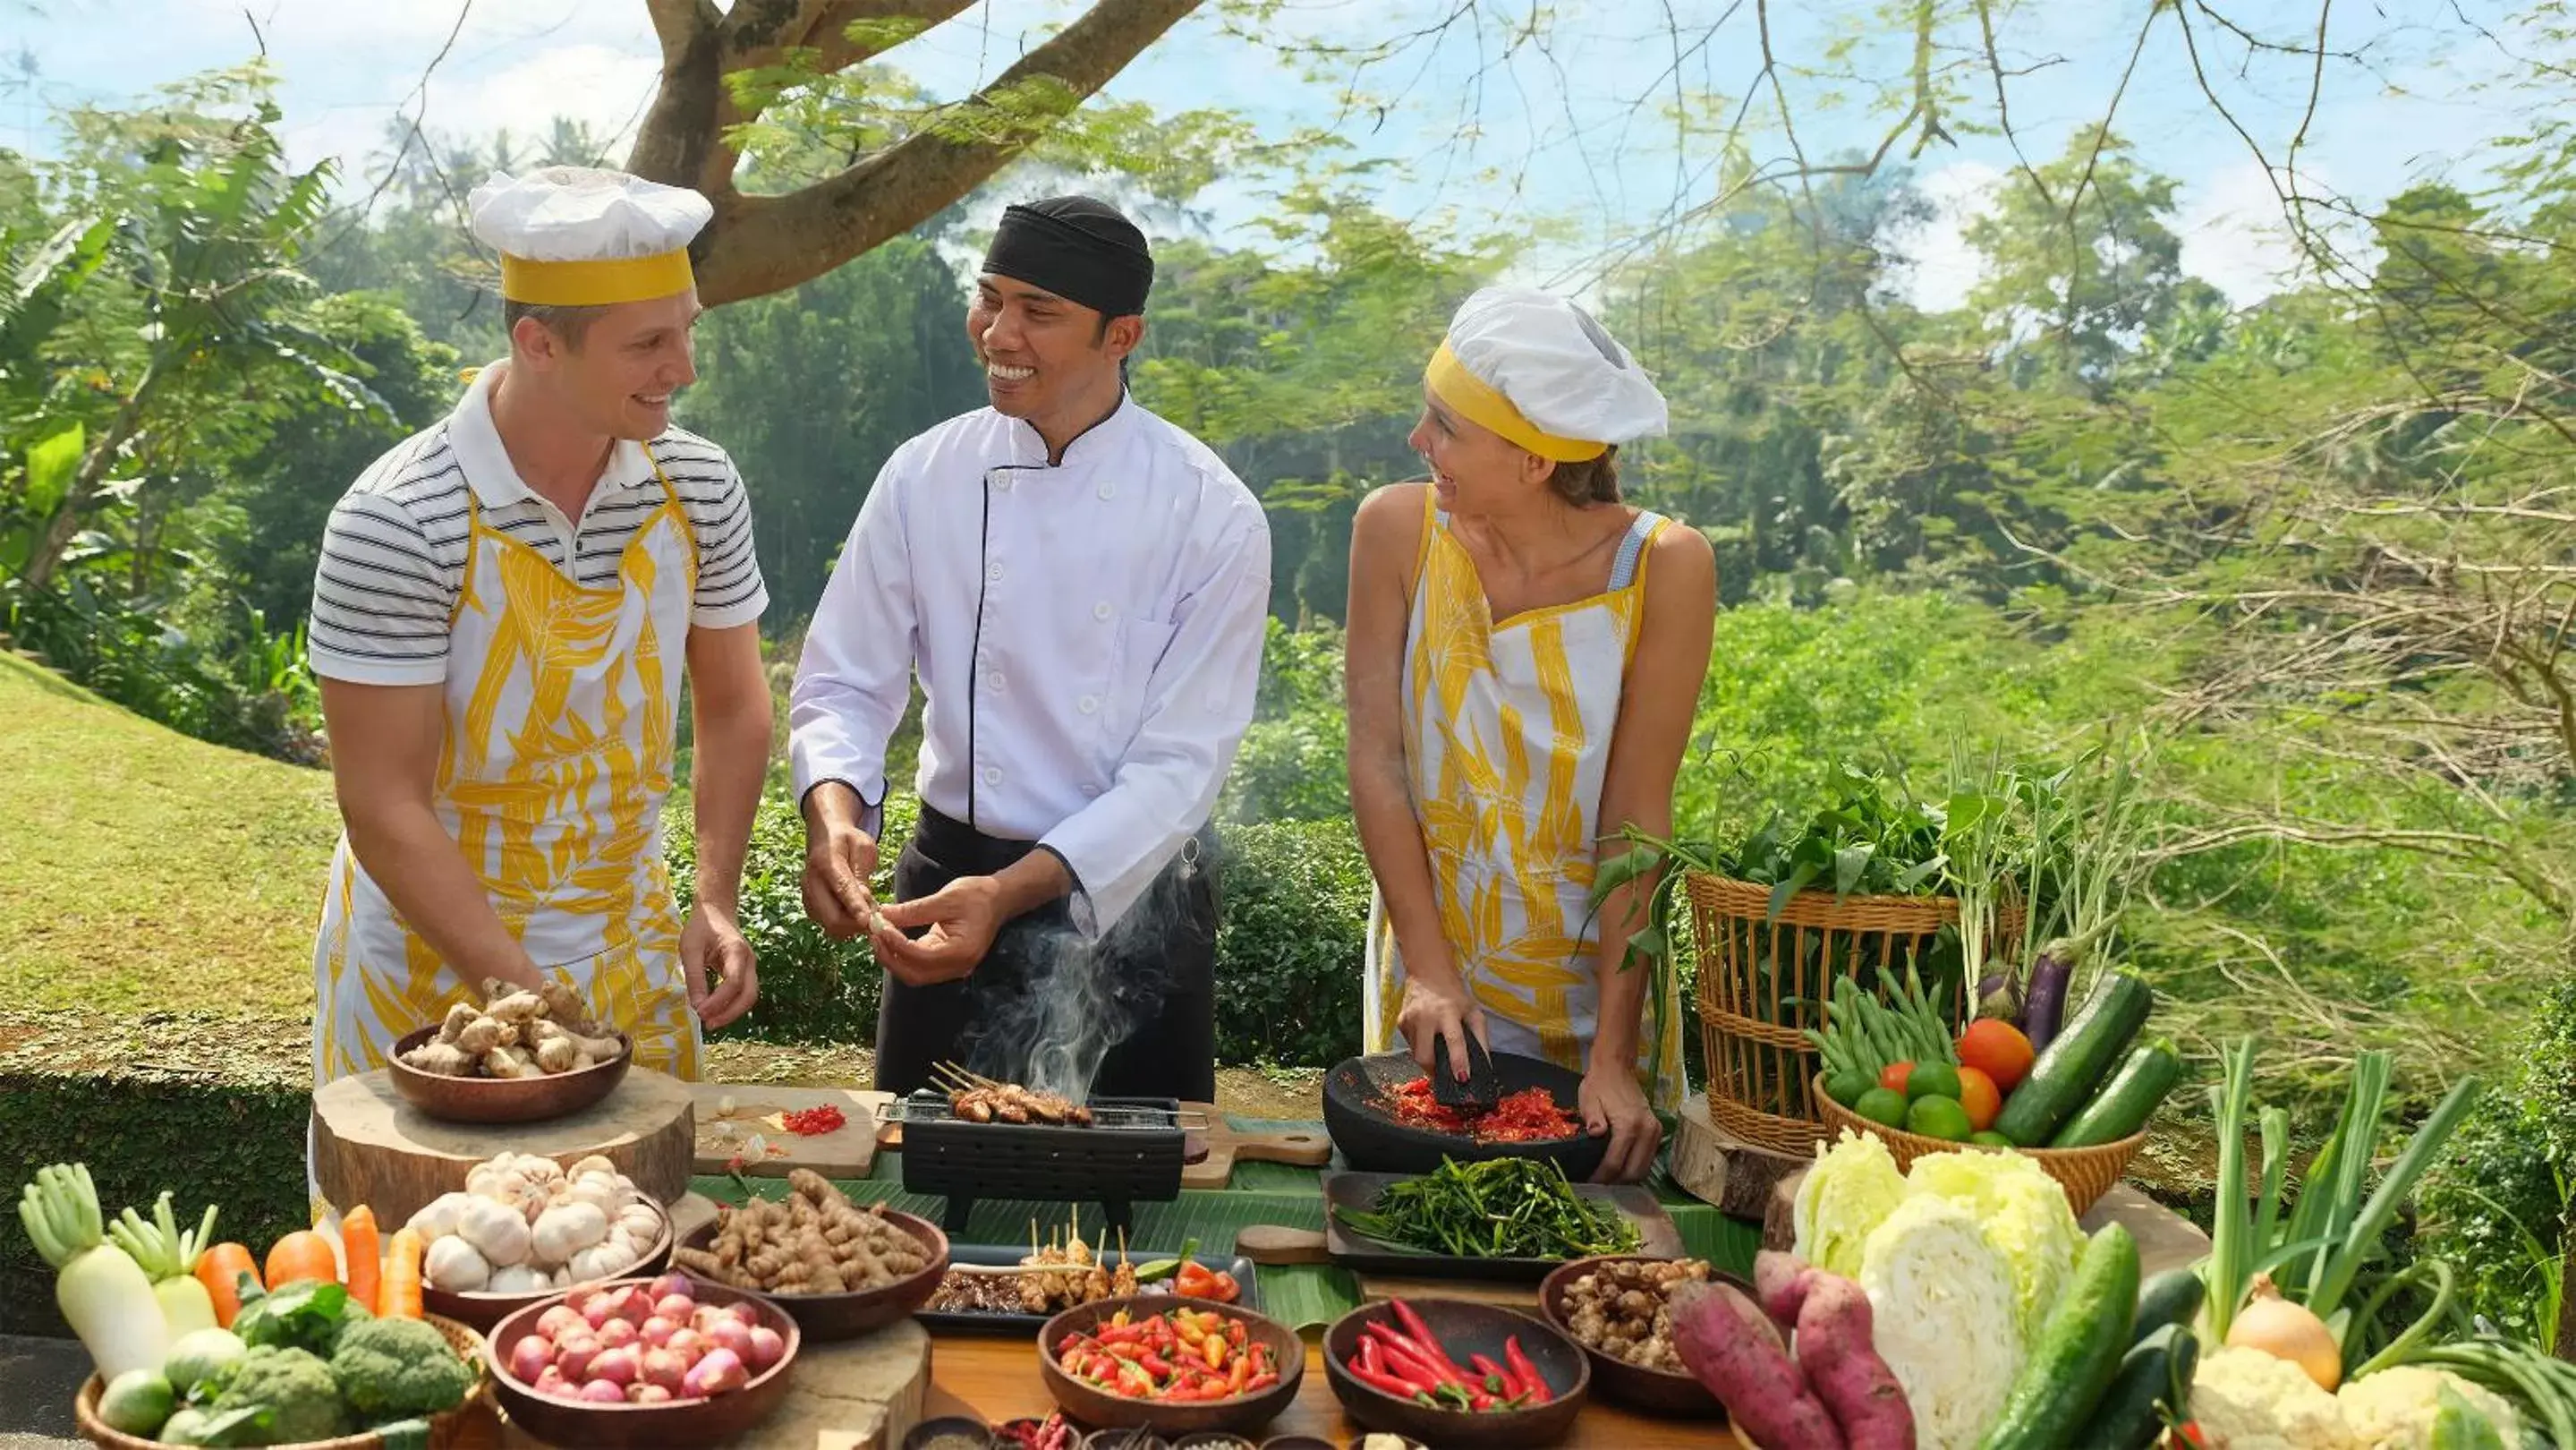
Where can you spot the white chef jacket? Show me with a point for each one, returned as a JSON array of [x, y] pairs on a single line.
[[1088, 635]]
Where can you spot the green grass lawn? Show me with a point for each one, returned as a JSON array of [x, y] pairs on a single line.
[[144, 871]]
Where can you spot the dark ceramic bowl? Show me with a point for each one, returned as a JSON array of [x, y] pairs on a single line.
[[957, 1429], [1355, 1112], [711, 1421], [1465, 1329], [847, 1316], [486, 1310], [503, 1100], [1094, 1406], [1665, 1392]]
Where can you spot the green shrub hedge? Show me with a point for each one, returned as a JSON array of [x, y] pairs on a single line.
[[2498, 1207], [1289, 942]]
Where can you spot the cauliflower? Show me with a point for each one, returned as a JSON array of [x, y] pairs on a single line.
[[2394, 1409], [392, 1369], [294, 1390], [2245, 1399]]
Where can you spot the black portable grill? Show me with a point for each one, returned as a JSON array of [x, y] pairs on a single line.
[[1132, 1150]]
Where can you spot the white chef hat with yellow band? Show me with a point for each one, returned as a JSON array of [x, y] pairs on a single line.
[[1538, 370], [577, 236]]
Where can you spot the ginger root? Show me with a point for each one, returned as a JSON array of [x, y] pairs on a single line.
[[459, 1017], [517, 1007], [508, 1062], [557, 1055], [441, 1059]]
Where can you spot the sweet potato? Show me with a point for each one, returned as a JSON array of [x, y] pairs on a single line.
[[1733, 1348], [1841, 1361], [1781, 1279]]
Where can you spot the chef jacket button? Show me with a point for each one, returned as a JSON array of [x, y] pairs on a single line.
[[1106, 490], [993, 572], [1102, 610], [1088, 704], [1003, 483], [993, 679], [992, 775]]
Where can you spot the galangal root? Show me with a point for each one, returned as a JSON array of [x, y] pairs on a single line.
[[814, 1241]]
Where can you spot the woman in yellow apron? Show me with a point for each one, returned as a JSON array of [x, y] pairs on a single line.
[[1524, 655], [558, 682]]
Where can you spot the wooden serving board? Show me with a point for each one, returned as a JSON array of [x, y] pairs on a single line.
[[844, 1153], [372, 1147], [1227, 1146]]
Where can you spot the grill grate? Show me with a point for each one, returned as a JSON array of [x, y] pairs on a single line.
[[1131, 1151]]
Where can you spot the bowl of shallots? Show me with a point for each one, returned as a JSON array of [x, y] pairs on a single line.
[[638, 1363]]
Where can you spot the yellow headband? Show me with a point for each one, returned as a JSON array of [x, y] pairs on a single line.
[[1480, 403], [595, 284]]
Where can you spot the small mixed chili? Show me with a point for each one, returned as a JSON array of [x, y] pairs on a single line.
[[1410, 1363], [815, 1121], [1178, 1356]]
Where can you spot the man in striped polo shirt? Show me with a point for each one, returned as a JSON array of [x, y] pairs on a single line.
[[505, 608]]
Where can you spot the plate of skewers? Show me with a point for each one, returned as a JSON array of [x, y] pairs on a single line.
[[1002, 1288]]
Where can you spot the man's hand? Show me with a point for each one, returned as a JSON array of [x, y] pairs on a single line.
[[962, 918], [1614, 1105], [839, 860], [1431, 1012], [716, 962]]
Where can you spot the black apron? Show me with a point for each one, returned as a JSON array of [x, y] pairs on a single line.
[[1152, 978]]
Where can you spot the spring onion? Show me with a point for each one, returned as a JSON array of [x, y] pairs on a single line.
[[104, 1295]]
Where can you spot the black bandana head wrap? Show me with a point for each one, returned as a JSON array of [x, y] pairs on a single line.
[[1078, 248]]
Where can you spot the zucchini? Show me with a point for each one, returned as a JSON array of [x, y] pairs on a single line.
[[2066, 1074], [2172, 1297], [2152, 1385], [2077, 1350], [2125, 1102]]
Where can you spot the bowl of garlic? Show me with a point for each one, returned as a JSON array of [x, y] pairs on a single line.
[[525, 1228], [523, 1056]]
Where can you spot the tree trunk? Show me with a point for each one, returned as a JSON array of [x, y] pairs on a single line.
[[2567, 1302], [763, 244], [65, 524]]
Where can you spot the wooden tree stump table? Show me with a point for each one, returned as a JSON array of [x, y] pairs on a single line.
[[371, 1147]]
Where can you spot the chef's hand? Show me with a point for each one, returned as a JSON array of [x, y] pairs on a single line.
[[960, 921], [1614, 1105], [716, 962], [839, 860], [1433, 1010]]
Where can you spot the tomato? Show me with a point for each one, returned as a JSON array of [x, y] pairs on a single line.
[[1997, 1049], [1892, 1077], [1977, 1093]]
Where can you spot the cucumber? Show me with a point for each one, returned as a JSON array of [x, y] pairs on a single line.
[[2077, 1350], [2154, 1380], [2172, 1297], [2125, 1102], [2073, 1065]]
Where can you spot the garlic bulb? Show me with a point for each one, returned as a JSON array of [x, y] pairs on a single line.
[[564, 1231], [496, 1231], [640, 1221], [453, 1265], [599, 1261], [437, 1219], [517, 1279]]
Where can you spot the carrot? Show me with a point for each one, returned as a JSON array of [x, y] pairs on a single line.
[[220, 1269], [302, 1254], [399, 1297], [358, 1243]]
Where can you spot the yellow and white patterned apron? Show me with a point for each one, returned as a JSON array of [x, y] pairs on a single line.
[[1507, 734], [562, 705]]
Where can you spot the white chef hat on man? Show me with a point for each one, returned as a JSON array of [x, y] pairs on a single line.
[[578, 236], [1538, 370]]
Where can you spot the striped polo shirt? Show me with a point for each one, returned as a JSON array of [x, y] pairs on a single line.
[[393, 557]]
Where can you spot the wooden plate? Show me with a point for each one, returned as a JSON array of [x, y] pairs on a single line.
[[1666, 1392], [486, 1310], [1465, 1329], [1094, 1406], [503, 1100], [711, 1421]]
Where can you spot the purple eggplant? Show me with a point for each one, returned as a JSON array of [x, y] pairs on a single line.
[[1999, 997], [2044, 1009]]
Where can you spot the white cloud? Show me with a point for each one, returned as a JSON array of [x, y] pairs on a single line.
[[1941, 267], [2233, 233], [604, 87]]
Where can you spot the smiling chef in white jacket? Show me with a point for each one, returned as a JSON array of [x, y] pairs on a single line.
[[1082, 588]]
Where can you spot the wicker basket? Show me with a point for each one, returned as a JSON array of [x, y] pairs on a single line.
[[2085, 1173], [446, 1431], [1753, 1022]]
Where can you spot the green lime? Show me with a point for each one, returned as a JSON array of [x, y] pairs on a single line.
[[1938, 1117], [1846, 1087], [1991, 1139], [1932, 1080], [1885, 1107]]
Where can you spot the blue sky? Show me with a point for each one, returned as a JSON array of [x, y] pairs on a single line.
[[1553, 131]]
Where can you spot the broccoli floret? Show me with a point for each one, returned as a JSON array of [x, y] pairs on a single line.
[[295, 1390], [396, 1368]]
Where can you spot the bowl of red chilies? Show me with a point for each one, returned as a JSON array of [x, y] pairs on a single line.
[[1446, 1372], [1172, 1367]]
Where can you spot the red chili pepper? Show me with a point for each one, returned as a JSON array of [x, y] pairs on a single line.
[[1155, 1365], [1404, 1349], [1406, 1365], [813, 1121], [1532, 1382], [1430, 1342], [1389, 1384], [1497, 1378]]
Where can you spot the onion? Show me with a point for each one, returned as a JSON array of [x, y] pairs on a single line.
[[573, 1355], [596, 1307], [657, 1332], [662, 1367], [719, 1372], [670, 1284], [551, 1381], [603, 1392], [2288, 1331], [648, 1394], [530, 1356], [768, 1346], [731, 1334], [617, 1334], [556, 1322], [687, 1343], [617, 1366], [675, 1307]]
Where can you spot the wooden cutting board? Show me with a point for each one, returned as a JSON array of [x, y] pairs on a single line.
[[846, 1152], [1227, 1146]]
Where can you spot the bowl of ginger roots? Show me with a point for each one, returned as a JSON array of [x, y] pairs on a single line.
[[522, 1056]]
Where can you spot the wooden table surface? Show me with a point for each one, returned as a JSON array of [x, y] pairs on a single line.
[[997, 1379]]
